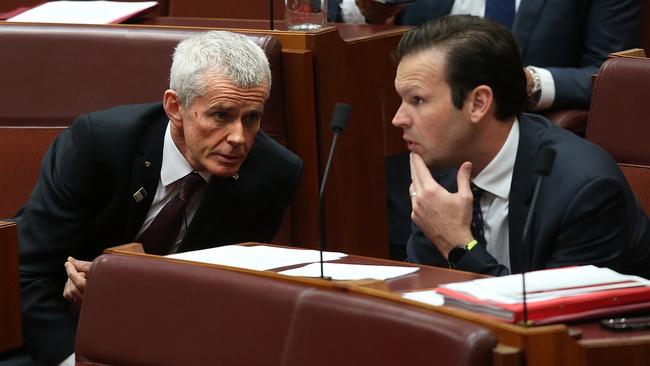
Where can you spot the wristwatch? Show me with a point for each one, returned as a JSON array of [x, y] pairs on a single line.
[[458, 252], [535, 92]]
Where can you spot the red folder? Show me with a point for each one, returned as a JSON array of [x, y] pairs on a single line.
[[584, 306]]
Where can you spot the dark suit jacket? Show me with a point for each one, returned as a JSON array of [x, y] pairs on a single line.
[[570, 38], [83, 203], [586, 212]]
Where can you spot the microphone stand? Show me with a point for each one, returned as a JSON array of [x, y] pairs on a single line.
[[339, 122], [544, 164], [271, 19]]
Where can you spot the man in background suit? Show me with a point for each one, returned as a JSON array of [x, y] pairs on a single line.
[[564, 42], [112, 175], [463, 89]]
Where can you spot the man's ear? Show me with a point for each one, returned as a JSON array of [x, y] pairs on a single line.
[[172, 107], [480, 103]]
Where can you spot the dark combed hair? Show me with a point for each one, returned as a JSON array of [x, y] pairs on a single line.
[[478, 52]]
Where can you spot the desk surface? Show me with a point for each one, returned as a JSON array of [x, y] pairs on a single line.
[[582, 343], [348, 32], [586, 342]]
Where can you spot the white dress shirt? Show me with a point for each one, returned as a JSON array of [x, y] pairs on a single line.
[[495, 180], [174, 168]]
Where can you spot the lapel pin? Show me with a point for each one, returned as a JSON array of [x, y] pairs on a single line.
[[140, 195], [147, 163]]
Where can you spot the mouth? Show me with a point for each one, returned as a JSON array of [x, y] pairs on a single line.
[[410, 144], [229, 159]]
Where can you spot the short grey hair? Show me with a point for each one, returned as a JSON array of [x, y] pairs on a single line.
[[224, 53]]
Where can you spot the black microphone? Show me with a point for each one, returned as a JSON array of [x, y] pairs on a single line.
[[339, 122], [271, 12], [545, 160]]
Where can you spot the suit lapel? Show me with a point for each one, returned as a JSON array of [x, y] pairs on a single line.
[[526, 21], [145, 174], [523, 178]]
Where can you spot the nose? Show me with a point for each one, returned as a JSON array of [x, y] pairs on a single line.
[[236, 133], [401, 118]]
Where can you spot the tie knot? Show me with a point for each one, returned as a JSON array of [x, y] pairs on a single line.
[[190, 184], [476, 191]]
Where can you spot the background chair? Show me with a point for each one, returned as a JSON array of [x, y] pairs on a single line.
[[619, 120]]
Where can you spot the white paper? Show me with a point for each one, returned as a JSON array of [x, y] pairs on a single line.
[[547, 284], [81, 12], [342, 271], [259, 257], [430, 297]]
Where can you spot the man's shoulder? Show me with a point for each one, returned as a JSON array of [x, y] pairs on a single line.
[[266, 149], [574, 154]]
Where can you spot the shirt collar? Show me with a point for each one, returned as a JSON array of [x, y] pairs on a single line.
[[497, 175], [174, 165]]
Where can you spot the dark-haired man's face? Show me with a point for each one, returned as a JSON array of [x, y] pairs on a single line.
[[432, 126]]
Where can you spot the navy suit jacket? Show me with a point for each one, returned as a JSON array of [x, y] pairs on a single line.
[[83, 203], [570, 38], [586, 212]]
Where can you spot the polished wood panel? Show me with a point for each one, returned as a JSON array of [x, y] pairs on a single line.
[[240, 9], [10, 320]]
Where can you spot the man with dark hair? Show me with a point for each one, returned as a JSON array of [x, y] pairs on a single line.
[[561, 43], [463, 90]]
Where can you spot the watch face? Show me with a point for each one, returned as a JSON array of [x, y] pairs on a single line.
[[456, 254]]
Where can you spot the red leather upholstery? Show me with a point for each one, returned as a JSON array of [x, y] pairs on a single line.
[[619, 119], [52, 73], [639, 178], [339, 328], [144, 311]]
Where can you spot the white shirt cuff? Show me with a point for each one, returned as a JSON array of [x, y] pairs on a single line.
[[548, 88], [351, 13], [70, 361]]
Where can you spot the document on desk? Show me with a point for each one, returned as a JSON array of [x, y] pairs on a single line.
[[430, 297], [258, 257], [552, 295], [342, 271], [547, 284], [83, 12]]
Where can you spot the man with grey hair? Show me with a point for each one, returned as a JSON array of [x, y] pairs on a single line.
[[192, 172]]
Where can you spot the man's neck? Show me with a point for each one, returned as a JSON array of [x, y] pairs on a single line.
[[492, 135]]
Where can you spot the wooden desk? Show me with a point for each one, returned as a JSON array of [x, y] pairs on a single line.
[[580, 343], [583, 343], [10, 320], [346, 63]]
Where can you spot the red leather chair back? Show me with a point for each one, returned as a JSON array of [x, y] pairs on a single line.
[[146, 311], [618, 119], [51, 73]]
